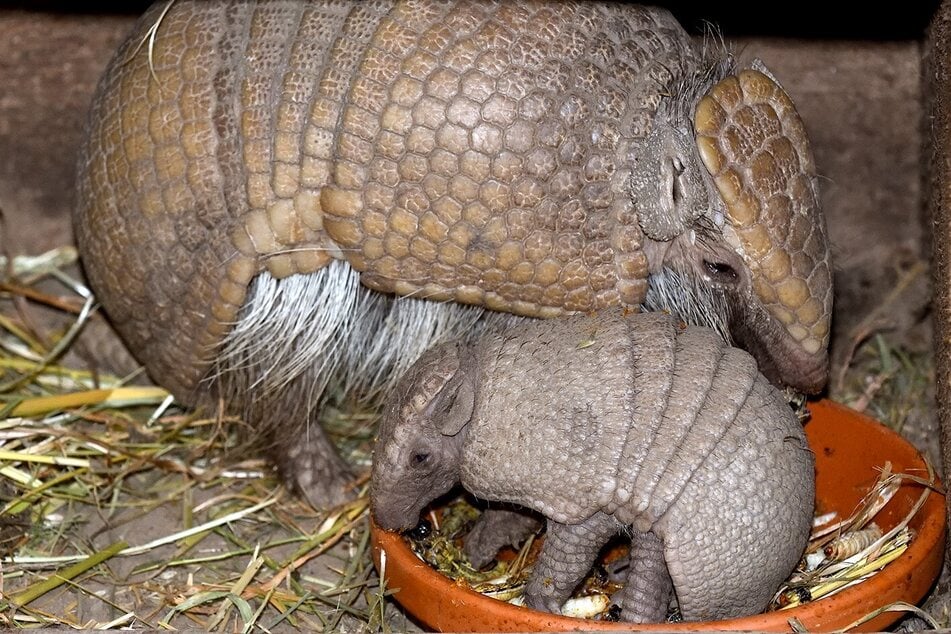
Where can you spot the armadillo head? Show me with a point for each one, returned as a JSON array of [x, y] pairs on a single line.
[[417, 452], [740, 219]]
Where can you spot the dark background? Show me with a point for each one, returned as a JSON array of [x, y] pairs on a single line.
[[801, 19]]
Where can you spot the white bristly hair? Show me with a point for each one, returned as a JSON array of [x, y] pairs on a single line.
[[322, 334], [682, 296], [336, 335]]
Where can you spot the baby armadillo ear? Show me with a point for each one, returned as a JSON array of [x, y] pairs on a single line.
[[460, 408], [430, 378]]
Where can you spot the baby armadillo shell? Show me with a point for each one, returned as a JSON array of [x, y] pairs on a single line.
[[849, 447]]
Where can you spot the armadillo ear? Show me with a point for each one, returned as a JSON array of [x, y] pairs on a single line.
[[443, 391], [664, 185], [461, 408], [430, 376]]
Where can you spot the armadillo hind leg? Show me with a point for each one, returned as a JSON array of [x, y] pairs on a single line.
[[267, 374], [646, 595], [740, 526], [566, 557], [308, 461], [301, 340]]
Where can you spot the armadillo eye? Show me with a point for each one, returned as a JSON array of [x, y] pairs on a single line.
[[720, 272], [419, 459]]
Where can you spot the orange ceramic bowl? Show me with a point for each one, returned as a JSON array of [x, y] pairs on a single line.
[[848, 446]]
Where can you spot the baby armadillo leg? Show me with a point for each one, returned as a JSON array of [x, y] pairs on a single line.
[[566, 557], [496, 529], [646, 595]]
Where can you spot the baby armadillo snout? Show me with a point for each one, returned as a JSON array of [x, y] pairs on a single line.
[[393, 511]]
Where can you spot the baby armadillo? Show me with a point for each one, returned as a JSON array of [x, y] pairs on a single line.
[[259, 179], [607, 424]]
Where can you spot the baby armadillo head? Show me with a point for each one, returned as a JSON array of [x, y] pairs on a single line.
[[417, 453], [739, 227]]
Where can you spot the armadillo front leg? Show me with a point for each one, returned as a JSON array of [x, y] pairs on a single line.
[[496, 529], [565, 559], [645, 597]]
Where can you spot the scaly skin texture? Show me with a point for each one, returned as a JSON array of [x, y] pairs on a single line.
[[754, 145], [530, 158], [641, 424]]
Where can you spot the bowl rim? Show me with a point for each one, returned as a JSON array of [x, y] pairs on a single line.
[[925, 553]]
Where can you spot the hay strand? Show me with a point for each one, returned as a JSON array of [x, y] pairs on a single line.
[[38, 589]]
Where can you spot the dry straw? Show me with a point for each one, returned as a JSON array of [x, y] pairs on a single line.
[[209, 541]]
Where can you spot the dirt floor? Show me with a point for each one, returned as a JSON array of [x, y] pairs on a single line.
[[861, 102]]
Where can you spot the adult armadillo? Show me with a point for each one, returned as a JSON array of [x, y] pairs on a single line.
[[628, 424], [258, 178]]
